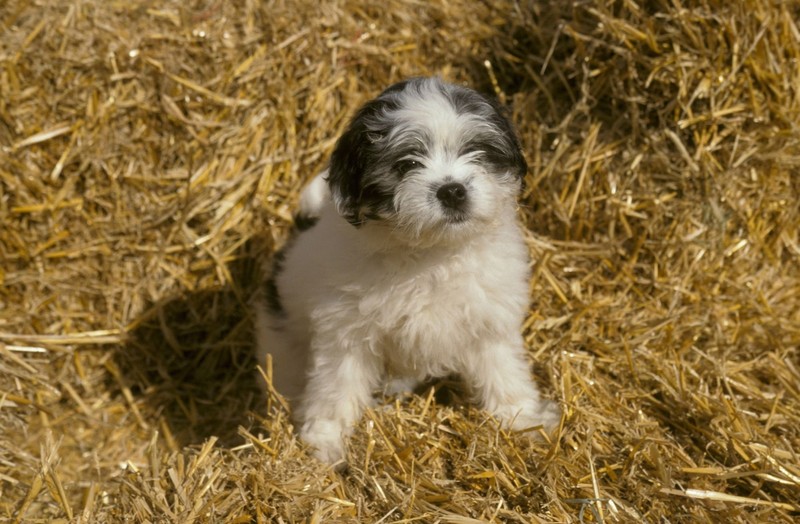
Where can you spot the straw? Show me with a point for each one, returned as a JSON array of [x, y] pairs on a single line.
[[152, 155]]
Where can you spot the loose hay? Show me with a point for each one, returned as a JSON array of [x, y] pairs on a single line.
[[152, 154]]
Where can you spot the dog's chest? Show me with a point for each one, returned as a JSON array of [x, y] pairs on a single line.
[[424, 313]]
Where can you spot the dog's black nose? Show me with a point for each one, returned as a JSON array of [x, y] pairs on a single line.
[[452, 195]]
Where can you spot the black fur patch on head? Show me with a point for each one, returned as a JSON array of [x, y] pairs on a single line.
[[357, 149], [501, 149]]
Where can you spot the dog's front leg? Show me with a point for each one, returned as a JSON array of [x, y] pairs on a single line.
[[339, 389], [500, 379]]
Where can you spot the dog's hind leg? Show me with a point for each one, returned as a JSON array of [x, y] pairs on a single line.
[[289, 357]]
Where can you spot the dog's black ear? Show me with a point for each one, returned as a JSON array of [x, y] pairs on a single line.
[[347, 166], [505, 151], [515, 158], [358, 149]]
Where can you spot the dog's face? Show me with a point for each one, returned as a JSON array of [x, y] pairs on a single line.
[[430, 160]]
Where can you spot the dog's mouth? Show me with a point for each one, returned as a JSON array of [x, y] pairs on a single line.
[[452, 216]]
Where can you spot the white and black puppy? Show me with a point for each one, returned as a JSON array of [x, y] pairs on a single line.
[[409, 264]]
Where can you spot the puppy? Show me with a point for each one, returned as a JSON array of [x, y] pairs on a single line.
[[409, 263]]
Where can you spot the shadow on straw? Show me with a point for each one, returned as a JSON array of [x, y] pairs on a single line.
[[190, 360]]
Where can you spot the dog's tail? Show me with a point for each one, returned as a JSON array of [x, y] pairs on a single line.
[[312, 199]]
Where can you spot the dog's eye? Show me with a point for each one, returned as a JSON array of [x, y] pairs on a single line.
[[404, 166]]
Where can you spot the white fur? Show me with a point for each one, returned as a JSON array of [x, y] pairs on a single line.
[[314, 196], [405, 298]]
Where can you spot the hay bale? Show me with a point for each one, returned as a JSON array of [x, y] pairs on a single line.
[[152, 154]]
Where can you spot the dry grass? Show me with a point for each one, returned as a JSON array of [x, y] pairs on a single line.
[[152, 152]]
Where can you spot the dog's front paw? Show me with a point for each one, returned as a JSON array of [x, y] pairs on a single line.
[[544, 413], [327, 438]]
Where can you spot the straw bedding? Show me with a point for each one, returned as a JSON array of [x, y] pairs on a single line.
[[151, 154]]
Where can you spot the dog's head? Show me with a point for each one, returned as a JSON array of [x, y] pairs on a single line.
[[427, 158]]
